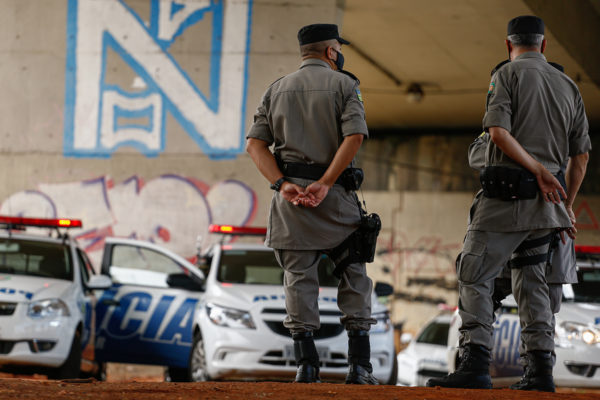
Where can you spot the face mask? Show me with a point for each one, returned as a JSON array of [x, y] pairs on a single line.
[[339, 63]]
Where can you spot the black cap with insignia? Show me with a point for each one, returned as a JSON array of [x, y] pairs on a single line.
[[525, 24], [319, 32]]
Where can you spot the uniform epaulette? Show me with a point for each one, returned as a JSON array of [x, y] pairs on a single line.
[[497, 67], [351, 75], [557, 66]]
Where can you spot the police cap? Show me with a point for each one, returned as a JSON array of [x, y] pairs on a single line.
[[319, 32], [525, 24]]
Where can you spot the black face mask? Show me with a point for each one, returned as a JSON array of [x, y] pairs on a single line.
[[339, 63]]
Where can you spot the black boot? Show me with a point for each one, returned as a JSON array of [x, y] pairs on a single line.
[[360, 370], [472, 372], [307, 358], [538, 373]]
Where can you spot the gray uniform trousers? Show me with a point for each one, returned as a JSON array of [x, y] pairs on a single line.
[[483, 257], [301, 286]]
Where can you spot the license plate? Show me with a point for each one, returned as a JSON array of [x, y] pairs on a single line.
[[288, 352]]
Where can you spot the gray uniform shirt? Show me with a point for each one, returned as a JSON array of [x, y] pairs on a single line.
[[305, 116], [542, 108]]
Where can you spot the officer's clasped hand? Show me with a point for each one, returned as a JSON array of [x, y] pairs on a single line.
[[311, 196]]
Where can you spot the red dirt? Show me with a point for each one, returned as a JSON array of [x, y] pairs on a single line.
[[15, 388]]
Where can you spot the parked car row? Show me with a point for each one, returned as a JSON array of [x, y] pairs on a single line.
[[221, 319]]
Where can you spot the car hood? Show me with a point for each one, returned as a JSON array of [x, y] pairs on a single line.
[[19, 288], [249, 297], [585, 313], [430, 354]]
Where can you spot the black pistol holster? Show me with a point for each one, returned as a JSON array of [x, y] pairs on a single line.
[[350, 179], [511, 183], [359, 246]]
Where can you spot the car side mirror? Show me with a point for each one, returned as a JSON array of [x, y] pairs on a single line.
[[186, 282], [383, 289], [99, 282]]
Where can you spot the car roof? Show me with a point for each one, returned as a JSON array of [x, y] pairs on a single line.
[[33, 237]]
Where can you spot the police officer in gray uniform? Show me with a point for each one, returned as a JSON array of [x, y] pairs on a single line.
[[536, 121], [315, 120]]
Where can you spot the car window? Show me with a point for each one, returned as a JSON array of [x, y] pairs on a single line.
[[35, 258], [140, 266], [586, 289], [435, 333], [261, 267], [85, 266]]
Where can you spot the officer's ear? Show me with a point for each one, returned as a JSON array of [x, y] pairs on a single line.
[[329, 53], [543, 46]]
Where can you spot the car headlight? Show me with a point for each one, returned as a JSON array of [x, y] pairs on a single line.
[[577, 331], [48, 308], [229, 317], [383, 323]]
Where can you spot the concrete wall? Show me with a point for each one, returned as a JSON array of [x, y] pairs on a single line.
[[131, 114]]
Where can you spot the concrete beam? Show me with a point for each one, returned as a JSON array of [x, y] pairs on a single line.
[[576, 25]]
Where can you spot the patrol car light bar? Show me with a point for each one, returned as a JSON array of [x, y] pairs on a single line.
[[587, 249], [41, 222], [237, 230]]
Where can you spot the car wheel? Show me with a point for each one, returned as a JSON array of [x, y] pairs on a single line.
[[394, 376], [198, 371], [71, 368]]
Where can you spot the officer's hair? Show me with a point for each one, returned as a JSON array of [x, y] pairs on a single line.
[[316, 48], [529, 40]]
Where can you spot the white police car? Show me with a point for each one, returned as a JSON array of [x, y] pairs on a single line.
[[577, 334], [162, 310], [46, 301], [425, 355]]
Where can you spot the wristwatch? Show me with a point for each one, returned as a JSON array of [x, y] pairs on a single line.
[[277, 185]]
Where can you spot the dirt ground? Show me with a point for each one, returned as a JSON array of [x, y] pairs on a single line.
[[18, 388], [135, 382]]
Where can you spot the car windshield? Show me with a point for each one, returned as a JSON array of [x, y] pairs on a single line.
[[35, 258], [586, 289], [435, 333], [261, 268]]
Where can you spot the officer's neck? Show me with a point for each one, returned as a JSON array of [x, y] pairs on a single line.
[[322, 58]]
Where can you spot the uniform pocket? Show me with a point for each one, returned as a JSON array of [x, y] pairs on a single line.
[[471, 261]]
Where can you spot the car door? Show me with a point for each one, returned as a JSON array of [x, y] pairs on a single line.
[[89, 307], [147, 316]]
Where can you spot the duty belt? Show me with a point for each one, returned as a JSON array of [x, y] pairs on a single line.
[[512, 183], [350, 178]]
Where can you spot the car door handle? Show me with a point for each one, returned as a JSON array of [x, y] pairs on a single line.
[[111, 302]]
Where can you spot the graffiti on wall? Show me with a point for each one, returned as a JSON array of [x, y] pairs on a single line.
[[101, 116], [170, 210]]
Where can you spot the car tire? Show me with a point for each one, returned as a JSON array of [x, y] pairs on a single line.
[[198, 367], [394, 376], [71, 368]]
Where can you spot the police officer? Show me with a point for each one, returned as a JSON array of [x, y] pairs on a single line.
[[315, 120], [536, 121]]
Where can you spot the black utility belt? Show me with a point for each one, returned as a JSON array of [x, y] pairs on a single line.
[[511, 183], [350, 179]]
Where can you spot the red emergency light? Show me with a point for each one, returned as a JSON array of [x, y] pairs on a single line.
[[40, 222], [237, 230], [587, 249]]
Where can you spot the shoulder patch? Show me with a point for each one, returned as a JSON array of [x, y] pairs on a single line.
[[359, 95], [350, 74], [491, 88]]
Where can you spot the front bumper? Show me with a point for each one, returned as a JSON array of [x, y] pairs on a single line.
[[578, 366], [35, 342], [261, 353]]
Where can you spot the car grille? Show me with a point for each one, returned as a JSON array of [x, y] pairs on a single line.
[[324, 332], [275, 357], [6, 346], [7, 308], [587, 370]]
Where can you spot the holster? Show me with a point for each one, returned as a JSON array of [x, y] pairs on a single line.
[[359, 246], [511, 183], [350, 179]]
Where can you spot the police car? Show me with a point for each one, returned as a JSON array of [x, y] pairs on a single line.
[[47, 302], [223, 320], [577, 334]]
